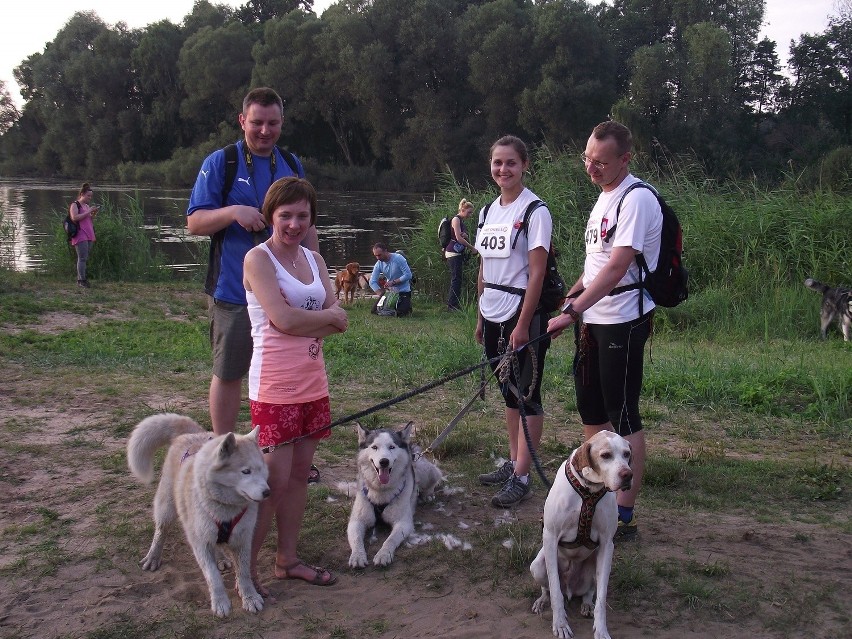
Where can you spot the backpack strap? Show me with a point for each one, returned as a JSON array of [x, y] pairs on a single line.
[[230, 171], [524, 227], [524, 221], [640, 258]]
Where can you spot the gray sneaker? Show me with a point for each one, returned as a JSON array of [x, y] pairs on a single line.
[[514, 491], [499, 476]]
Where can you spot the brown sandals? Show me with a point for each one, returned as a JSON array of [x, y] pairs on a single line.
[[317, 579]]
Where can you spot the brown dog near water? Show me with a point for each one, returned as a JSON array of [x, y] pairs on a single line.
[[347, 281]]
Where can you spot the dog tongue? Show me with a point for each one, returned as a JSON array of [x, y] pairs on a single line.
[[384, 475]]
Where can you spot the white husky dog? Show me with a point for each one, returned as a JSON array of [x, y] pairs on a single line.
[[213, 485], [389, 483]]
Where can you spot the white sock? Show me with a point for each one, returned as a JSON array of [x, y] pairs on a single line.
[[525, 479]]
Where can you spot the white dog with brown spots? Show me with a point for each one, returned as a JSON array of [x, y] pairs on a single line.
[[580, 520]]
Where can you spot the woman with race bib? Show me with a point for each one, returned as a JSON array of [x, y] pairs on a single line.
[[511, 272]]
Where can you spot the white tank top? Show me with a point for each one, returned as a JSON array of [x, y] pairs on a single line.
[[311, 296]]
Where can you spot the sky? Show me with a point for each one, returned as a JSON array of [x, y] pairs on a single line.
[[27, 26]]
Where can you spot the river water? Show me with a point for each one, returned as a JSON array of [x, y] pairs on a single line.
[[348, 223]]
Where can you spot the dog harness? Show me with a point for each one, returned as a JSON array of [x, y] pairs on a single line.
[[225, 528], [587, 510], [378, 509]]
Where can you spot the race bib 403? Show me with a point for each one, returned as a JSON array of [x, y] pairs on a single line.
[[494, 240]]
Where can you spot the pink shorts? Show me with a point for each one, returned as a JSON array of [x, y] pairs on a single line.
[[282, 422]]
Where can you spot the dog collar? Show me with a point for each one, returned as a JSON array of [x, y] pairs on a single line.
[[587, 510], [225, 528]]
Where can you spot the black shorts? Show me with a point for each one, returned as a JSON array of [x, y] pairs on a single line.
[[491, 335], [608, 373]]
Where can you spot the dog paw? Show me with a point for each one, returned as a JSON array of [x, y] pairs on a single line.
[[602, 634], [587, 610], [561, 629], [253, 602], [150, 563], [358, 560], [383, 558], [540, 604], [221, 607]]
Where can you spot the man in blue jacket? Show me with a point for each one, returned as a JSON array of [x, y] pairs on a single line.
[[225, 204]]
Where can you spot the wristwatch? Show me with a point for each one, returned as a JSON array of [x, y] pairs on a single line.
[[569, 310]]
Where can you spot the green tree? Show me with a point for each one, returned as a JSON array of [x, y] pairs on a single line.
[[260, 11], [498, 35], [159, 90], [215, 67], [575, 83], [9, 113], [764, 79]]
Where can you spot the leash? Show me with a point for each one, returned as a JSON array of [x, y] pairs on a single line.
[[408, 395], [516, 370]]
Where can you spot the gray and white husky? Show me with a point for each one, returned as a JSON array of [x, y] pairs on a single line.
[[388, 486], [836, 306], [213, 485]]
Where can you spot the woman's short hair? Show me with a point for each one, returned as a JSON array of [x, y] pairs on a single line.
[[286, 191], [516, 143], [465, 204]]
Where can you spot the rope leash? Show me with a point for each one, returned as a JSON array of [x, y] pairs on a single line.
[[407, 395]]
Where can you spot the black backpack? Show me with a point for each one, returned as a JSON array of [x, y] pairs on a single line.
[[227, 183], [71, 227], [667, 285], [445, 231], [553, 287]]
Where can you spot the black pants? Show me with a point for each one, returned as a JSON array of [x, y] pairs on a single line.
[[456, 264], [403, 305], [492, 333], [608, 373]]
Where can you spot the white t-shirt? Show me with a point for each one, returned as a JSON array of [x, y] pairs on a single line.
[[639, 225], [500, 263]]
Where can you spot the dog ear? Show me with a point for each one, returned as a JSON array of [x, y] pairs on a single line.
[[228, 446], [254, 433], [405, 433], [581, 457], [588, 464], [362, 433]]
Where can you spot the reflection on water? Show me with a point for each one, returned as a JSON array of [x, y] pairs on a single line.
[[348, 223]]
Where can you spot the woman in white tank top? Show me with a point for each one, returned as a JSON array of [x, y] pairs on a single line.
[[292, 308]]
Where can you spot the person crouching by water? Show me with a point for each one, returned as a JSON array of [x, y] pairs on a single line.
[[292, 307], [391, 279], [82, 212], [455, 253]]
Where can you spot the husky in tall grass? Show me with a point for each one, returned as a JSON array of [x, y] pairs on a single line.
[[389, 484], [213, 485], [836, 306]]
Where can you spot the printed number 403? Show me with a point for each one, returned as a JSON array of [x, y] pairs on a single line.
[[493, 242]]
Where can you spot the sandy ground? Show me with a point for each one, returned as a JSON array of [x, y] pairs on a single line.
[[75, 524], [98, 590]]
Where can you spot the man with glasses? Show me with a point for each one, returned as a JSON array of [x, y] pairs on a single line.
[[605, 302]]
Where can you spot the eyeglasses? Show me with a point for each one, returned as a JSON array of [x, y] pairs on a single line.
[[600, 166]]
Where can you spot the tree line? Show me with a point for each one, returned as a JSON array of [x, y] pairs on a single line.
[[382, 93]]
